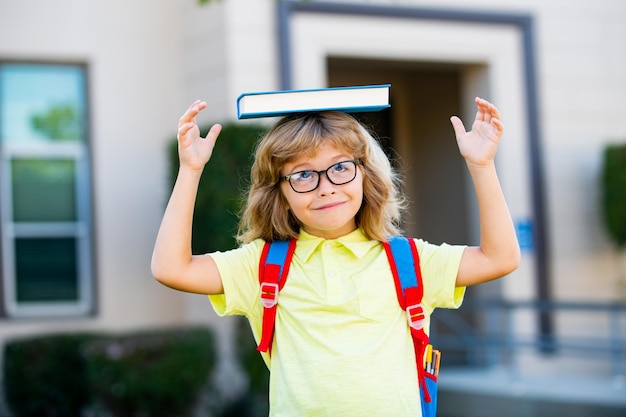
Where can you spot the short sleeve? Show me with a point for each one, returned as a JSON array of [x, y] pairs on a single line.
[[440, 266], [239, 273]]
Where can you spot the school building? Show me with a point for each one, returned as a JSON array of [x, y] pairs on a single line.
[[91, 92]]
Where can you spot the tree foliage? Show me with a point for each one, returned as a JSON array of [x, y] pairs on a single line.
[[61, 122]]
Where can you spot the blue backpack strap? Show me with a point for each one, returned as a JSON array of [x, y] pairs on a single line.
[[404, 262], [405, 267], [277, 253], [273, 270]]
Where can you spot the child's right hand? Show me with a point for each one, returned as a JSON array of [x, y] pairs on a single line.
[[193, 150], [173, 263]]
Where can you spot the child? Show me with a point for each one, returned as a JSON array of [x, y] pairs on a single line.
[[342, 344]]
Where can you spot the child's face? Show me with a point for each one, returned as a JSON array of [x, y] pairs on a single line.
[[328, 211]]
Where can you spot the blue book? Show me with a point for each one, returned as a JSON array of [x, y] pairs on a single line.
[[353, 99]]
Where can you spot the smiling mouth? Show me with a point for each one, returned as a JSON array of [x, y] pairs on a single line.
[[329, 206]]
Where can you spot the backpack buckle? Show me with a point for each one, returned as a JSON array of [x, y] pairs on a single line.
[[416, 316], [269, 294]]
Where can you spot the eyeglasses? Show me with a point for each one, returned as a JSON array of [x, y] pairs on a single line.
[[308, 180]]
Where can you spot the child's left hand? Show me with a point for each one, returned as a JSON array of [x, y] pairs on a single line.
[[479, 145]]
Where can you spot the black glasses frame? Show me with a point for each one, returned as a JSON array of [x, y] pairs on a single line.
[[356, 163]]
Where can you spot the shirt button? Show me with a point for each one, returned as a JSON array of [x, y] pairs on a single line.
[[331, 273]]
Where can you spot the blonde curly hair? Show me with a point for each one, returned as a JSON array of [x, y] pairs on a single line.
[[266, 214]]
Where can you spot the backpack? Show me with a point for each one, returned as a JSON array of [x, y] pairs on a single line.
[[405, 267]]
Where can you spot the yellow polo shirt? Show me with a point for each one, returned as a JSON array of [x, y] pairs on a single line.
[[342, 345]]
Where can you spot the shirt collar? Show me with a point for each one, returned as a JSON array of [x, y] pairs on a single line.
[[355, 242]]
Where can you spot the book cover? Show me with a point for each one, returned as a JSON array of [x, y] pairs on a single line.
[[350, 99]]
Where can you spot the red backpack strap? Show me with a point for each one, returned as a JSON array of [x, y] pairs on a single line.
[[407, 275], [273, 270]]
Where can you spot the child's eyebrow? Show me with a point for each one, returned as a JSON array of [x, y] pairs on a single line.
[[333, 160]]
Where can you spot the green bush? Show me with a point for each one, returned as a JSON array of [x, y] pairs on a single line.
[[157, 373], [218, 203], [153, 373], [45, 376], [614, 192]]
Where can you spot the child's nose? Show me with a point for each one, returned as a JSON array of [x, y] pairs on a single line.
[[325, 186]]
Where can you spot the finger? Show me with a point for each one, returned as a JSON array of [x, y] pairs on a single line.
[[497, 124], [480, 114], [495, 113], [457, 124], [487, 110], [214, 132], [482, 110], [191, 112], [183, 129]]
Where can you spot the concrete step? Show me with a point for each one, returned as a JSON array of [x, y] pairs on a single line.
[[498, 393]]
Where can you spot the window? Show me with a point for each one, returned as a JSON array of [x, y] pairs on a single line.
[[45, 202]]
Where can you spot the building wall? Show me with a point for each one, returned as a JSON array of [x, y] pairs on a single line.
[[135, 100], [133, 53], [583, 86]]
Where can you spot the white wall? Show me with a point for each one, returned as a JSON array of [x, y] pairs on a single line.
[[228, 47], [583, 86], [132, 51]]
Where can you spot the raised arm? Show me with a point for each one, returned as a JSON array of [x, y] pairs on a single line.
[[498, 253], [172, 261]]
